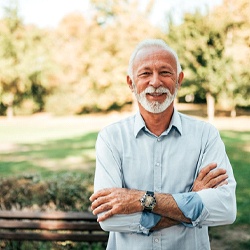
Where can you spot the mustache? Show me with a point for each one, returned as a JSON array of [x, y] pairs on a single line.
[[160, 90]]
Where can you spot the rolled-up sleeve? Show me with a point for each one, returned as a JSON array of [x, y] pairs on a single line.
[[219, 203], [191, 206]]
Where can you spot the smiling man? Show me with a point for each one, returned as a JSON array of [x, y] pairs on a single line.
[[161, 177]]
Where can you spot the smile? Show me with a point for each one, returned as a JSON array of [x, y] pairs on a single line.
[[156, 94]]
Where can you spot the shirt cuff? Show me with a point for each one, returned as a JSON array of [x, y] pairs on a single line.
[[148, 221], [191, 206]]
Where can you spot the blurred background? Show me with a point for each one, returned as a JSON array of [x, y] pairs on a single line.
[[63, 71]]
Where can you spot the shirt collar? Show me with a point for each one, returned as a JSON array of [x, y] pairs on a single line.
[[175, 122]]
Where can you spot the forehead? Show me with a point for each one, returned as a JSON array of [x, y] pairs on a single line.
[[154, 57]]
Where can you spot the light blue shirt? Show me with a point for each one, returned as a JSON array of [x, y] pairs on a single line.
[[128, 155]]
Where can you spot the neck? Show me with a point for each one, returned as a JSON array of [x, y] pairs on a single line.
[[157, 123]]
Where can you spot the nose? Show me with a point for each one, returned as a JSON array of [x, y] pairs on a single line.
[[155, 81]]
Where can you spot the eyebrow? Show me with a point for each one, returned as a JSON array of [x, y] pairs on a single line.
[[161, 68]]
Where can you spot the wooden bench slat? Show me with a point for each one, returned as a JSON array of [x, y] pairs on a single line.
[[49, 236], [49, 225], [55, 215]]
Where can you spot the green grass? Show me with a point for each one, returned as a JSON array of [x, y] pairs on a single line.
[[238, 149], [69, 154], [236, 236]]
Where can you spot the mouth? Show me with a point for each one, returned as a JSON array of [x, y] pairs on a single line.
[[155, 94], [159, 97]]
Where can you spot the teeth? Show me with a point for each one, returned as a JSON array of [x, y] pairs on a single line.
[[156, 94]]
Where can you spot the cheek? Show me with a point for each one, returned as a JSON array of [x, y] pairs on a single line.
[[140, 86], [171, 85]]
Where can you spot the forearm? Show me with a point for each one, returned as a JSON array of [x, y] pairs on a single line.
[[167, 207], [164, 223]]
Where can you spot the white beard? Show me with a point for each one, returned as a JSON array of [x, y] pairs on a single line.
[[155, 107]]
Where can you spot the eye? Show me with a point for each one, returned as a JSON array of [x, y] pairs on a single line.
[[166, 73], [144, 74]]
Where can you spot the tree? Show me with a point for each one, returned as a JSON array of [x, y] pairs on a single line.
[[200, 43], [214, 50], [23, 62], [236, 89], [94, 56]]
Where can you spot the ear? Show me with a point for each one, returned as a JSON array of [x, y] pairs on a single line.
[[180, 78], [129, 82]]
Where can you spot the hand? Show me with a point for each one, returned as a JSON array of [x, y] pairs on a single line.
[[209, 177], [116, 201]]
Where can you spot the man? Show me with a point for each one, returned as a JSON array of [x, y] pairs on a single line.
[[161, 177]]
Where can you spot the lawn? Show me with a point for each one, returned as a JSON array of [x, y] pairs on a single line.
[[37, 148], [238, 149], [45, 146], [44, 158]]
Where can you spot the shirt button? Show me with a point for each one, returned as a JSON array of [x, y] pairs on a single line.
[[157, 164], [156, 240], [158, 139]]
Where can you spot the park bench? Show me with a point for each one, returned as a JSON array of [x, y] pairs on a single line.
[[50, 226]]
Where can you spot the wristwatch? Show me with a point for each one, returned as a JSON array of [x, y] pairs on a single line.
[[148, 201]]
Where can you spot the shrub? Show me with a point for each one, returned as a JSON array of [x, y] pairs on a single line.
[[65, 192]]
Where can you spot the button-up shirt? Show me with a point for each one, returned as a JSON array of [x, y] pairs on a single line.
[[128, 155]]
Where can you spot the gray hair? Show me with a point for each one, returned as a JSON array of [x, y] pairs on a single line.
[[152, 43]]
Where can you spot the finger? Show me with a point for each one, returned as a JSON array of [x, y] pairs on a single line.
[[102, 208], [222, 183], [99, 193], [99, 201], [212, 175], [216, 181], [204, 171], [105, 216], [95, 204], [92, 197]]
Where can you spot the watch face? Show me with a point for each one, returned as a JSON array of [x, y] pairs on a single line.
[[149, 201]]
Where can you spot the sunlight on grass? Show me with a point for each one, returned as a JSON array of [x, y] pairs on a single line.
[[76, 153]]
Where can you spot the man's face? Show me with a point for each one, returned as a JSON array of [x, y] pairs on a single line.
[[155, 81]]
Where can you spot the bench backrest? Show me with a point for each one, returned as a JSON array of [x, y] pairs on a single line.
[[75, 226]]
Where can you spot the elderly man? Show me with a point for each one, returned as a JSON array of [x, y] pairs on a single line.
[[161, 177]]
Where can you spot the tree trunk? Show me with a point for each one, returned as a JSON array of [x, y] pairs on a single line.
[[233, 112], [10, 112], [210, 107]]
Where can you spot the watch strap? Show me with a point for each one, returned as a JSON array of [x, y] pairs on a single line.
[[150, 193]]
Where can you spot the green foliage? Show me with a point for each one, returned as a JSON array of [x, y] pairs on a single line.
[[80, 66], [24, 63], [200, 44], [65, 192], [93, 78]]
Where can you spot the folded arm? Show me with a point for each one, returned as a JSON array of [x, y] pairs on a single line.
[[119, 208], [120, 201]]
